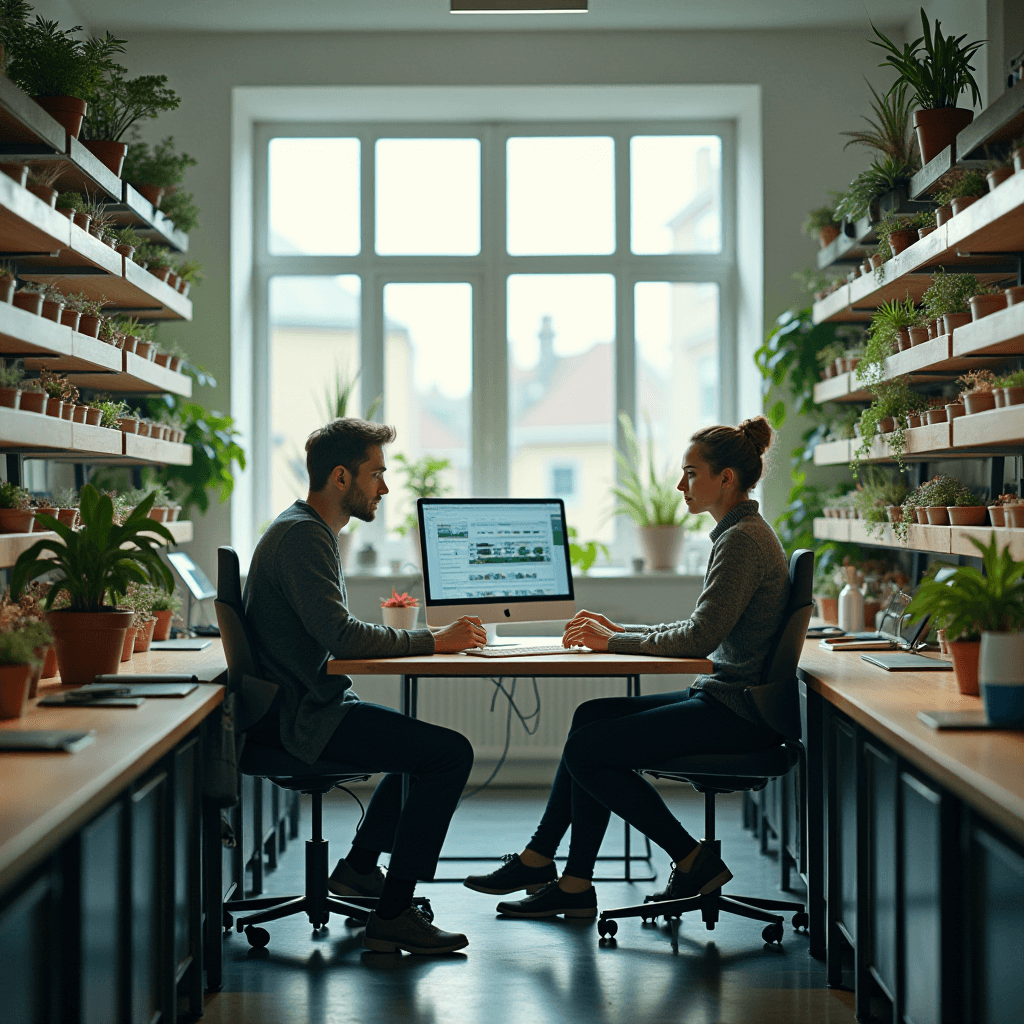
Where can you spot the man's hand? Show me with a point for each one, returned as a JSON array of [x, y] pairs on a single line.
[[461, 634], [583, 631], [597, 617]]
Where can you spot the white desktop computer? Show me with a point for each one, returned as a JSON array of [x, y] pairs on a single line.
[[502, 559]]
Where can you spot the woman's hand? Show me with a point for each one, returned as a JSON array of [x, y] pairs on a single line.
[[597, 617], [584, 631], [458, 636]]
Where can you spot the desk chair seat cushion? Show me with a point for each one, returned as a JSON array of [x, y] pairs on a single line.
[[289, 771], [769, 763]]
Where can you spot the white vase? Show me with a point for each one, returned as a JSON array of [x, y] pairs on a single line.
[[400, 618], [1001, 676], [662, 545], [851, 609]]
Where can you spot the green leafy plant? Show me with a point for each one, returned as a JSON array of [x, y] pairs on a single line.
[[117, 103], [583, 555], [959, 184], [886, 322], [100, 559], [823, 217], [12, 496], [876, 493], [110, 411], [10, 376], [333, 404], [19, 646], [166, 602], [160, 167], [888, 132], [70, 201], [827, 355], [182, 209], [14, 24], [949, 293], [192, 271], [892, 398], [970, 602], [422, 480], [49, 61], [884, 175], [922, 219], [127, 236], [938, 74], [159, 256]]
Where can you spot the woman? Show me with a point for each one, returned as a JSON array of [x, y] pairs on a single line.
[[737, 615]]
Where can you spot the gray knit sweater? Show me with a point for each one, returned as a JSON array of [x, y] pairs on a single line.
[[746, 587], [297, 607]]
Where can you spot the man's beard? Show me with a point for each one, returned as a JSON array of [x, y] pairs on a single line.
[[358, 506]]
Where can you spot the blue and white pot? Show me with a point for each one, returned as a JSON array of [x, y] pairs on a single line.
[[1001, 675]]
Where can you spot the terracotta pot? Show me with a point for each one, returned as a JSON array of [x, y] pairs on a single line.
[[7, 290], [828, 609], [1015, 516], [984, 305], [895, 513], [150, 193], [937, 129], [10, 397], [67, 111], [903, 338], [967, 515], [142, 349], [1014, 295], [937, 515], [130, 342], [901, 239], [172, 514], [33, 401], [19, 172], [70, 318], [162, 624], [83, 220], [939, 326], [54, 408], [935, 415], [14, 684], [865, 268], [954, 410], [144, 429], [110, 154], [158, 513], [997, 176], [886, 425], [925, 232], [127, 251], [93, 416], [1013, 396], [940, 636], [185, 287], [46, 194], [828, 234], [962, 202], [37, 526], [997, 514], [162, 358], [175, 362], [979, 401], [965, 665], [173, 279], [943, 214], [876, 261], [661, 545], [1018, 160], [16, 520], [918, 335], [89, 325], [68, 516], [128, 425], [160, 273], [78, 413], [52, 310], [144, 636], [31, 302], [829, 371], [67, 410], [128, 646], [921, 515], [913, 420], [1000, 396], [951, 321]]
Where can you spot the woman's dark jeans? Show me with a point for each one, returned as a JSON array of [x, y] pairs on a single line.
[[610, 739]]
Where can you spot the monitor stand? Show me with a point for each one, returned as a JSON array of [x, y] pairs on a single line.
[[491, 629]]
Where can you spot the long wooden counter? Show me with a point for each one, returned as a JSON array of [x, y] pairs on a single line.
[[983, 769], [47, 797]]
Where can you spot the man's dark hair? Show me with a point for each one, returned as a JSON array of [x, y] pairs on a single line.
[[345, 442]]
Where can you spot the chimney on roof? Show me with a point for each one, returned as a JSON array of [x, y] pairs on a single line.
[[546, 334]]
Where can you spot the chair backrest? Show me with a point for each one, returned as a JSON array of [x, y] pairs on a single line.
[[776, 698], [253, 694]]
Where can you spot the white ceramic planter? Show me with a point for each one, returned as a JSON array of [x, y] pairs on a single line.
[[1001, 676], [400, 618], [851, 609], [662, 546]]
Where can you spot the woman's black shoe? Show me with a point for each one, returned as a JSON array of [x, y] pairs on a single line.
[[512, 876], [552, 901], [707, 874]]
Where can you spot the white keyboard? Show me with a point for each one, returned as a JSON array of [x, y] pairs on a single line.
[[522, 651]]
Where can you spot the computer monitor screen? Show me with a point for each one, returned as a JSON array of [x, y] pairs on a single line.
[[895, 625], [503, 559], [191, 575]]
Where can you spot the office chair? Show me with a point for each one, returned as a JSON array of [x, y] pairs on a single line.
[[777, 701], [253, 699]]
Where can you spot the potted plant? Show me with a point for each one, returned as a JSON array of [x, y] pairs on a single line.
[[59, 71], [988, 299], [967, 510], [943, 492], [948, 296], [29, 297], [111, 412], [126, 241], [651, 501], [884, 175], [182, 210], [936, 77], [66, 501], [422, 480], [156, 172], [191, 273], [960, 189], [60, 391], [92, 564], [826, 594], [826, 358], [1010, 389], [977, 391], [18, 660], [165, 607], [982, 609], [115, 105], [28, 617], [33, 397], [880, 498], [41, 179], [53, 303], [91, 317], [821, 224], [886, 415], [894, 235], [15, 514], [159, 261], [7, 282], [400, 611], [923, 222], [138, 599], [68, 203], [71, 314], [10, 385]]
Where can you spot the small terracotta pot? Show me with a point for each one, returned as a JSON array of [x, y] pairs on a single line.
[[967, 515], [997, 176], [54, 408], [46, 194], [78, 413], [935, 415], [965, 665], [913, 420], [1015, 516], [962, 202], [1013, 396], [901, 239], [83, 220], [951, 321], [31, 302], [936, 129], [19, 172], [67, 111], [1000, 397], [828, 608], [50, 664], [10, 398], [144, 429], [895, 513], [984, 305], [162, 625], [67, 411], [89, 325], [979, 401], [943, 214], [1014, 295], [7, 290], [93, 416], [129, 342], [173, 511], [160, 273], [52, 310], [828, 371], [921, 515], [865, 268], [33, 401], [42, 511], [903, 338], [924, 232], [127, 251], [110, 154], [144, 636], [997, 514], [128, 647], [128, 425], [68, 516], [14, 684], [918, 335], [937, 515], [16, 520], [158, 513], [70, 318], [886, 425], [876, 261], [828, 234], [954, 410], [142, 349], [151, 194], [175, 363]]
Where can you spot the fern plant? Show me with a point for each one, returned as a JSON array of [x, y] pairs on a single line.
[[889, 131]]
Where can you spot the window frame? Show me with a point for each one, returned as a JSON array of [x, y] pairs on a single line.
[[488, 272]]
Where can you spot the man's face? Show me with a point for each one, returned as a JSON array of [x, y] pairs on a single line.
[[368, 487]]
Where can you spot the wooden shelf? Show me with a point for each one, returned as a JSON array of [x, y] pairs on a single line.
[[146, 449], [833, 453], [137, 376], [935, 539], [843, 387], [43, 342], [993, 429], [137, 212], [24, 124], [27, 224], [1000, 333], [1006, 537]]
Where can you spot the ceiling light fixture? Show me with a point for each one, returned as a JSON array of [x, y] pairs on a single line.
[[519, 6]]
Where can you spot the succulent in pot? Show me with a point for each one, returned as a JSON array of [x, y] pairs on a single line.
[[16, 514], [165, 607], [8, 279], [91, 566], [822, 225], [977, 391], [986, 300], [10, 385], [400, 611], [961, 188], [20, 660], [948, 297]]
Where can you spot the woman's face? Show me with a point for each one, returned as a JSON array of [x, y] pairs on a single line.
[[701, 488]]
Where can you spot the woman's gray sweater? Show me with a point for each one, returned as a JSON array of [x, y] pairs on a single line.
[[739, 611]]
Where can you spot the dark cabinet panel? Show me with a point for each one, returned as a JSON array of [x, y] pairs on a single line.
[[28, 967], [845, 769], [996, 929], [880, 785], [186, 847], [148, 907]]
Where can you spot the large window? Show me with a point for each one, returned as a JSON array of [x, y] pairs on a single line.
[[499, 293]]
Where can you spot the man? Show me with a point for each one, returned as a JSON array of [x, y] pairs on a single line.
[[296, 601]]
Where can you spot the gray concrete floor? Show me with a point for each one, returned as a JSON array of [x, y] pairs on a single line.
[[532, 971]]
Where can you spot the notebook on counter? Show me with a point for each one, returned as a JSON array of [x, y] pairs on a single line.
[[904, 662], [67, 741], [972, 718], [184, 644]]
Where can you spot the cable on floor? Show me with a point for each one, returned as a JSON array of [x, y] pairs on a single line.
[[362, 809]]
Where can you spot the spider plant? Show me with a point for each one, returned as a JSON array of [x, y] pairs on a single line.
[[889, 131]]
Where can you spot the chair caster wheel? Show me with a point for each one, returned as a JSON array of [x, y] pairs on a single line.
[[607, 929], [772, 933], [257, 937], [801, 921], [228, 922]]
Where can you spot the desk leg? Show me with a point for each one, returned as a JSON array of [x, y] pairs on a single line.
[[213, 888], [410, 692]]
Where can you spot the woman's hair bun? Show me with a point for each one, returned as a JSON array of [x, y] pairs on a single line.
[[758, 432]]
